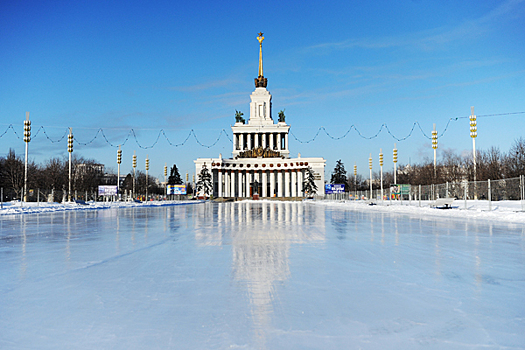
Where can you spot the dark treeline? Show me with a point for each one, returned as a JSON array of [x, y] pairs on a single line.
[[53, 175], [451, 167]]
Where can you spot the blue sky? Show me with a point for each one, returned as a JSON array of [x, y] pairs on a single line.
[[182, 66]]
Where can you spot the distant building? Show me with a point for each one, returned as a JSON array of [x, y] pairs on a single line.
[[89, 168], [261, 160]]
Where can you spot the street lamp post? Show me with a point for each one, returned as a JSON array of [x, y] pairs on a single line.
[[70, 151], [434, 146], [381, 166], [395, 164], [187, 182], [473, 135], [355, 180], [119, 160], [27, 139], [134, 171], [147, 168], [165, 180], [370, 166]]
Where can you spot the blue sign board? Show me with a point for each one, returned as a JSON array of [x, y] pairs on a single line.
[[334, 188], [107, 190], [176, 189]]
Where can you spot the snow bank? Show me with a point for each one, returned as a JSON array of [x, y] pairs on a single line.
[[16, 207], [505, 211]]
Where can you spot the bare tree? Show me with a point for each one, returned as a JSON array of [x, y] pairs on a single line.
[[490, 165], [12, 174], [54, 174], [88, 175], [515, 160], [127, 184], [452, 167]]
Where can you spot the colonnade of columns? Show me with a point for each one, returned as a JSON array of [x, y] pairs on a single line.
[[271, 183], [272, 140]]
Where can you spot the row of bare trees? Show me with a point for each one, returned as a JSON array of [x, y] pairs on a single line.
[[141, 182], [53, 175], [452, 167]]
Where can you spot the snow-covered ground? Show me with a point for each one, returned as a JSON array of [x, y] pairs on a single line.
[[262, 275], [15, 207], [500, 211]]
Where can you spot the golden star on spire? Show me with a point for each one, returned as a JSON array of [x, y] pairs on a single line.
[[260, 38]]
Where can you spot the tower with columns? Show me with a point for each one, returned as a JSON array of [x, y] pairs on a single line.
[[261, 162]]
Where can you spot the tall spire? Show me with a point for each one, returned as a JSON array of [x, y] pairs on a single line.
[[260, 81], [260, 38]]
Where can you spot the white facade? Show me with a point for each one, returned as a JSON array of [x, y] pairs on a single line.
[[277, 177], [261, 160]]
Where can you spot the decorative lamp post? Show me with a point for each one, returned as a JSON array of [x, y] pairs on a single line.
[[381, 166], [434, 146], [395, 164], [134, 171], [147, 168], [119, 160], [370, 166], [474, 134], [165, 179], [355, 180], [27, 139], [70, 151]]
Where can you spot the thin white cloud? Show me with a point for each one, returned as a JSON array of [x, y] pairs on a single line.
[[431, 38]]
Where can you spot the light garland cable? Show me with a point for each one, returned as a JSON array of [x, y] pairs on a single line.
[[192, 132], [66, 132]]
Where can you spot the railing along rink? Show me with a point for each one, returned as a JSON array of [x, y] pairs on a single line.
[[512, 189]]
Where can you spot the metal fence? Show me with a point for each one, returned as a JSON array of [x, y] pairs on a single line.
[[58, 196], [491, 190]]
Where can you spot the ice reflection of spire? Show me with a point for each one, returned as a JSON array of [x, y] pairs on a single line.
[[261, 235], [261, 253]]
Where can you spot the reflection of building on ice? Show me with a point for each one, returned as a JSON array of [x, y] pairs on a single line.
[[261, 159], [260, 234]]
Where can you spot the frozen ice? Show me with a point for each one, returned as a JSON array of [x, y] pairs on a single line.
[[260, 275]]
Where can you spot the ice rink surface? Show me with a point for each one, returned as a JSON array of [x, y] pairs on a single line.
[[267, 275]]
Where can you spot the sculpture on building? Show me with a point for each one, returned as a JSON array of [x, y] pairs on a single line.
[[282, 117], [238, 117]]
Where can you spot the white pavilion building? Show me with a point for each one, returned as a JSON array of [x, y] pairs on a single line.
[[261, 160]]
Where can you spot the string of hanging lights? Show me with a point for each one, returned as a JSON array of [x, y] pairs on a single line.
[[132, 133]]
